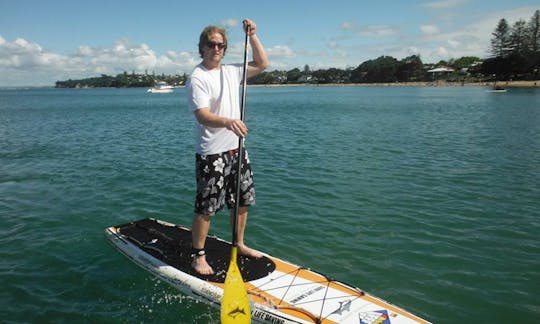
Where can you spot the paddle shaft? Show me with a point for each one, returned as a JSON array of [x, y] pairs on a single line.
[[240, 144]]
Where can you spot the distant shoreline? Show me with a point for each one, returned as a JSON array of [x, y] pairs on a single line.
[[509, 84], [529, 84]]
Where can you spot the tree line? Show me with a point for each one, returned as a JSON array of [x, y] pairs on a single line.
[[515, 51], [384, 69], [122, 80]]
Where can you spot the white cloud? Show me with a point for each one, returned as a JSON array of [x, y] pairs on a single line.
[[369, 30], [443, 4], [20, 57], [347, 25], [429, 30], [229, 23], [280, 52], [281, 57], [454, 43], [378, 30], [84, 51], [138, 56], [26, 63], [441, 51]]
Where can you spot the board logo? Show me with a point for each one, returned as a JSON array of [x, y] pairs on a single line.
[[344, 306], [375, 317], [266, 317], [305, 294], [237, 311]]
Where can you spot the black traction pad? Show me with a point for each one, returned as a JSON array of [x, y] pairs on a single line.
[[172, 245]]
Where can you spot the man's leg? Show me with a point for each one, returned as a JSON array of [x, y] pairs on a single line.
[[199, 231], [242, 221]]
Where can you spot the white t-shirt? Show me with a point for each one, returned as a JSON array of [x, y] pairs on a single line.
[[217, 90]]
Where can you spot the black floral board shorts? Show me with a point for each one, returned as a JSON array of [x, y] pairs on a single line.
[[216, 182]]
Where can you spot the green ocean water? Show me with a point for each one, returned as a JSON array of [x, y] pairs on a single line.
[[427, 197]]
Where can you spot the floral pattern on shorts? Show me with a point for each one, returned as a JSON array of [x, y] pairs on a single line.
[[216, 182]]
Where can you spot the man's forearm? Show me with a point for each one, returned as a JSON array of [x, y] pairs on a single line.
[[260, 59]]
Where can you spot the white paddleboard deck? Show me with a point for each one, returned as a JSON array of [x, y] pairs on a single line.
[[279, 292]]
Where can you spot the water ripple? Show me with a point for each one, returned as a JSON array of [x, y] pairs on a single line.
[[427, 197]]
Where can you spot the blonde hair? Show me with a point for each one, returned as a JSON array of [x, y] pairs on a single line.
[[205, 37]]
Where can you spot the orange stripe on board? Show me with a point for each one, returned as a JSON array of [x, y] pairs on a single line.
[[262, 297], [319, 278]]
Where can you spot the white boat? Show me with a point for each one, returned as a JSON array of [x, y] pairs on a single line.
[[161, 87], [497, 90]]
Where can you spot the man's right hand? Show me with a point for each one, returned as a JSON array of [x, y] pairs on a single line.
[[237, 126]]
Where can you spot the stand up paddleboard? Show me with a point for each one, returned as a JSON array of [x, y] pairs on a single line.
[[279, 292]]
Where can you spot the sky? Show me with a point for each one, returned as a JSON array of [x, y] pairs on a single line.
[[42, 42]]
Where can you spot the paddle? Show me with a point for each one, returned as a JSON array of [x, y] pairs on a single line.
[[235, 303]]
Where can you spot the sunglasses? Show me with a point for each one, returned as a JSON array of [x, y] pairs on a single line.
[[213, 45]]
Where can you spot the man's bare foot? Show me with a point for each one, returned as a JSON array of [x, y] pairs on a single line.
[[244, 250], [202, 267]]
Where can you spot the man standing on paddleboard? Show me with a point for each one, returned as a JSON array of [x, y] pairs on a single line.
[[213, 96]]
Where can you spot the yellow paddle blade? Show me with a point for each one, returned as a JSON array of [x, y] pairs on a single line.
[[235, 303]]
